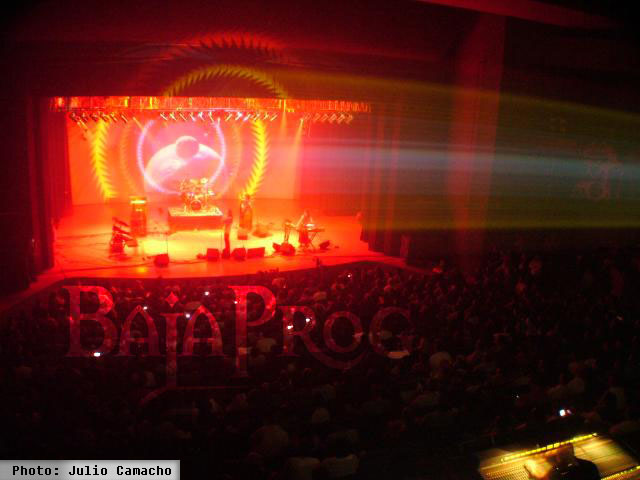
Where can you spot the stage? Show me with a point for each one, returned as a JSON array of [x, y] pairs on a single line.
[[82, 244]]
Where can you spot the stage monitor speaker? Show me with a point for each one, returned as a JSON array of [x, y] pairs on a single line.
[[213, 254], [239, 253], [324, 245], [243, 234], [161, 260], [288, 249], [255, 252]]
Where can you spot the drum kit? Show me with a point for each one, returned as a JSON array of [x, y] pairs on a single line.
[[196, 195]]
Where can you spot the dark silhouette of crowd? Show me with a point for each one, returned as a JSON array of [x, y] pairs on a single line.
[[524, 347]]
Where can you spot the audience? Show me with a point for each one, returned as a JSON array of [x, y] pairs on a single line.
[[494, 355]]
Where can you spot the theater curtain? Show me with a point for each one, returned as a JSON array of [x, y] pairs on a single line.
[[380, 226], [50, 182], [394, 213]]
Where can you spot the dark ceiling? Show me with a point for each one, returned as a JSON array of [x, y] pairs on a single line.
[[97, 45]]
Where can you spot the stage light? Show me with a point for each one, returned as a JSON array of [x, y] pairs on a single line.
[[124, 118], [206, 293], [85, 117], [349, 119], [96, 354], [325, 117], [188, 315], [289, 327], [182, 116], [307, 319], [228, 116], [73, 117], [114, 116], [273, 117], [341, 118], [210, 115], [95, 117], [172, 116], [193, 117], [201, 116], [145, 308], [164, 116], [316, 117], [238, 115]]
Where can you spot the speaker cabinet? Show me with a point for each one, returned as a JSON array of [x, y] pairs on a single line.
[[255, 252], [239, 254], [287, 249], [161, 260]]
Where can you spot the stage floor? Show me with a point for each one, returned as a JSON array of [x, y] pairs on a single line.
[[82, 244]]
